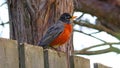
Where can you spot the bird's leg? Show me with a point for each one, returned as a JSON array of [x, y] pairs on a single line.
[[57, 50]]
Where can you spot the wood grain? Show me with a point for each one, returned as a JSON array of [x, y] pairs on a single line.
[[8, 54], [33, 56]]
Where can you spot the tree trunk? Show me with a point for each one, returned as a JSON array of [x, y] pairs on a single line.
[[29, 19]]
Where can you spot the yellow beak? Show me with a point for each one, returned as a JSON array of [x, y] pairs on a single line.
[[73, 17]]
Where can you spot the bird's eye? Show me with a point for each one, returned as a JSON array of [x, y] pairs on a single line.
[[67, 17]]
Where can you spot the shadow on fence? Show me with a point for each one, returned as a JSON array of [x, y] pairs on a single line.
[[29, 56]]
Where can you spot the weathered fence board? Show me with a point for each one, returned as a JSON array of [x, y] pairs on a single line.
[[98, 65], [79, 62], [53, 60], [29, 56], [8, 54], [33, 56]]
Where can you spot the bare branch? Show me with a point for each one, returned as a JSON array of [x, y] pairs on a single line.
[[90, 35], [3, 3], [86, 51], [99, 27], [92, 52], [79, 18], [2, 24], [95, 32]]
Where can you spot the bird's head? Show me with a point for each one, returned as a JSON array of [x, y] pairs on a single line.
[[66, 17]]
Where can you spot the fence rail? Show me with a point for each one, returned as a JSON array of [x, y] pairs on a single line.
[[29, 56]]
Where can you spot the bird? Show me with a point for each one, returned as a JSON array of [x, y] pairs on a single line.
[[59, 33]]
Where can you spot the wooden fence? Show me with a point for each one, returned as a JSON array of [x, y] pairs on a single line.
[[29, 56]]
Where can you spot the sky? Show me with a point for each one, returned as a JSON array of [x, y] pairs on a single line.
[[80, 40], [4, 31]]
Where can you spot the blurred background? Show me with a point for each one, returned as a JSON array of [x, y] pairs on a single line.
[[92, 31]]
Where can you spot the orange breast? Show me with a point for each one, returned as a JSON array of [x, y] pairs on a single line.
[[63, 37]]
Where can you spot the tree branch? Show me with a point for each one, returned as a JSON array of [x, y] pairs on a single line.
[[99, 27], [79, 18], [105, 11], [3, 24], [90, 35], [86, 51], [3, 3]]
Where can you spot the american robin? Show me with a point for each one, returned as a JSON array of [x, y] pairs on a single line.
[[59, 33]]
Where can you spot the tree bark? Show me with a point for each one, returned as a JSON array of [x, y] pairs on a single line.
[[29, 19]]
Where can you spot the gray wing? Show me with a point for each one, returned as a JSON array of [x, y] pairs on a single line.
[[51, 34]]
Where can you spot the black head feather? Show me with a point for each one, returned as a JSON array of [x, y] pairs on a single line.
[[65, 17]]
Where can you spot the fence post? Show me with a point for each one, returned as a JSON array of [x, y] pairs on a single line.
[[21, 52]]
